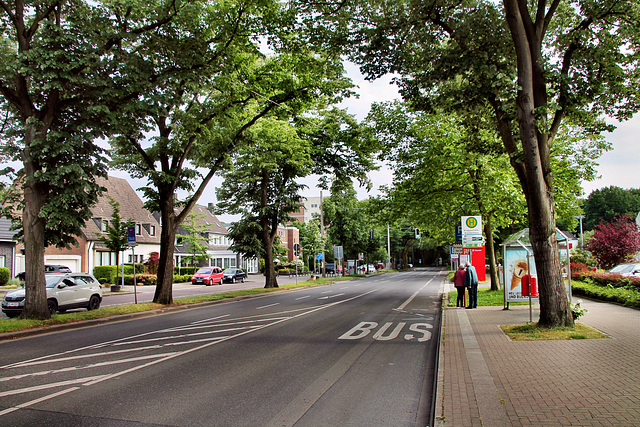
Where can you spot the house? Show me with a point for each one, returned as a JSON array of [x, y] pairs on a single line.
[[7, 246], [90, 250], [289, 236], [215, 239]]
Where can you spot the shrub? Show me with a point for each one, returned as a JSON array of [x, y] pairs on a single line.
[[182, 278], [5, 275], [184, 270], [105, 273], [628, 296], [141, 279]]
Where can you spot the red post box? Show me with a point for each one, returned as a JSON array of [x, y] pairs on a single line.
[[529, 283]]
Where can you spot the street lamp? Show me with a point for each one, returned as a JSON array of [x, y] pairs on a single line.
[[580, 218]]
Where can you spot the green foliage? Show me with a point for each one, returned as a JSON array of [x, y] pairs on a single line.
[[577, 310], [195, 238], [184, 270], [108, 273], [625, 296], [605, 204], [5, 275], [116, 239], [584, 257], [182, 278]]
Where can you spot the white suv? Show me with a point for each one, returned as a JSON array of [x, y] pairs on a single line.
[[64, 292]]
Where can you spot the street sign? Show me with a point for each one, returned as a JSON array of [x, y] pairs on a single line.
[[472, 241], [320, 256], [471, 225], [458, 233], [457, 249], [131, 236], [338, 252]]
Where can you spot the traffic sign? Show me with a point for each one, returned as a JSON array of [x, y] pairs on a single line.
[[131, 236], [471, 225], [457, 249]]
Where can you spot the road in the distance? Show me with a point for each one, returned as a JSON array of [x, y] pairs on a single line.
[[352, 353]]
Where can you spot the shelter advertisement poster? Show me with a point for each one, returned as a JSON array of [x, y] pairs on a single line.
[[520, 276]]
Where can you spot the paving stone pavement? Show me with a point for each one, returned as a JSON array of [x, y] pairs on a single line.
[[485, 379]]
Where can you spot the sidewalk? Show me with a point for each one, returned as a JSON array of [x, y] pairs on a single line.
[[485, 379]]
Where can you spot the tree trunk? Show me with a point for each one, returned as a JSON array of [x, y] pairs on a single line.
[[35, 305], [535, 175], [271, 279], [164, 287], [490, 249]]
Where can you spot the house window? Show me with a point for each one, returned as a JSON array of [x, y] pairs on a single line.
[[138, 230], [2, 260], [105, 225], [152, 230]]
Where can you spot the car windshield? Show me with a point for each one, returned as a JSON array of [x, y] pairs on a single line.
[[206, 270], [53, 279], [622, 268], [229, 271]]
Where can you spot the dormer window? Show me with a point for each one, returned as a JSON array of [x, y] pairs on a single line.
[[105, 225], [138, 230]]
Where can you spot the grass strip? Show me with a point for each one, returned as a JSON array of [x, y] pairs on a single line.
[[532, 332], [17, 324]]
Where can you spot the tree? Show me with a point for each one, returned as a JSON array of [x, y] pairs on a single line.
[[194, 238], [116, 239], [263, 186], [311, 240], [607, 203], [615, 242], [532, 66], [208, 84], [58, 95]]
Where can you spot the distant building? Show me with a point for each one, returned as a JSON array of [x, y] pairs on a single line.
[[312, 207], [90, 250]]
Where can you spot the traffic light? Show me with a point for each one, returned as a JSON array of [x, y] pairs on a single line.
[[296, 249], [417, 235]]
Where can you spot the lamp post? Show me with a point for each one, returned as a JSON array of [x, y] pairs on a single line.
[[580, 218]]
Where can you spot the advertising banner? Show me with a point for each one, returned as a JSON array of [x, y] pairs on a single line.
[[520, 276]]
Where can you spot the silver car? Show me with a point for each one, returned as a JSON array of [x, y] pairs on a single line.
[[64, 292]]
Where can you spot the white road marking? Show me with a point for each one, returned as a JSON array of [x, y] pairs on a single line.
[[267, 306], [408, 301]]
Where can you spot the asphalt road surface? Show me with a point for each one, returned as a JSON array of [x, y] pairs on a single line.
[[357, 353]]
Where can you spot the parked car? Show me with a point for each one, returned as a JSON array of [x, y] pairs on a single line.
[[627, 269], [207, 276], [48, 269], [232, 275], [379, 265], [64, 292], [371, 268]]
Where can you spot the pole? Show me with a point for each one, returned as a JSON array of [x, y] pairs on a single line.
[[133, 261], [388, 249]]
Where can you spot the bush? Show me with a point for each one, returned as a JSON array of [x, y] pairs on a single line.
[[5, 275], [185, 270], [628, 296], [182, 278], [141, 280], [105, 273]]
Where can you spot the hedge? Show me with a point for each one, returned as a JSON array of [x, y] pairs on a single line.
[[628, 296], [147, 279], [602, 278], [185, 270], [107, 273], [5, 275]]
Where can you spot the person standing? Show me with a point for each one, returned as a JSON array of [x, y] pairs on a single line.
[[471, 283], [458, 282]]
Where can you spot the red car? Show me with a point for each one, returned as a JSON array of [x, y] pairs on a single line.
[[207, 276]]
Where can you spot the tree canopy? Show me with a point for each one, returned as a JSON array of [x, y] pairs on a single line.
[[604, 204]]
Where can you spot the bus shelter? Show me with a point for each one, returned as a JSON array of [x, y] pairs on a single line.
[[519, 273]]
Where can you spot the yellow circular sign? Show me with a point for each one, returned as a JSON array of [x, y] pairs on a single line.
[[472, 222]]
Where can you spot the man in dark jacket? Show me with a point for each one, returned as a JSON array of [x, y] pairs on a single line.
[[471, 283]]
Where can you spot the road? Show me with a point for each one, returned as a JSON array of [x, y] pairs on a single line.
[[354, 353]]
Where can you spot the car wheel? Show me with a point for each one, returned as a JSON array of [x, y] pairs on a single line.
[[233, 280], [94, 303], [52, 305], [242, 279], [12, 315]]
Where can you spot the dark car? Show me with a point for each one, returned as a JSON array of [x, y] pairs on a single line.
[[232, 275], [48, 269]]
